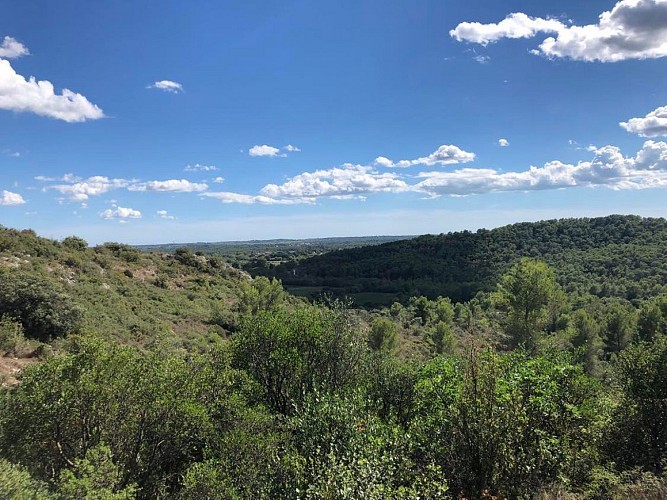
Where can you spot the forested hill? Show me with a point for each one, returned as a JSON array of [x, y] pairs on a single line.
[[623, 256]]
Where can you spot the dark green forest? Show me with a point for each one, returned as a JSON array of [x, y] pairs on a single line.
[[615, 256], [542, 374]]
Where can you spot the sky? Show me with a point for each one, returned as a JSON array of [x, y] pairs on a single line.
[[159, 122]]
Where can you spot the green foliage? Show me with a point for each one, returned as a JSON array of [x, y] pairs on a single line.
[[383, 335], [17, 484], [638, 436], [11, 334], [43, 309], [349, 453], [95, 477], [587, 338], [503, 425], [526, 294], [620, 326], [653, 318], [390, 387], [262, 294], [154, 412], [212, 385], [207, 480], [75, 243], [292, 353], [612, 256], [442, 338]]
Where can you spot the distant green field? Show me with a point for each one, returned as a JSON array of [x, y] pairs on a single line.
[[305, 291], [372, 299]]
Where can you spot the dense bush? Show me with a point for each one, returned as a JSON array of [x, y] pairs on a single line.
[[38, 304]]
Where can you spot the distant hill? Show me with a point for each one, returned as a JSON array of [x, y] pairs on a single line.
[[624, 256], [256, 255]]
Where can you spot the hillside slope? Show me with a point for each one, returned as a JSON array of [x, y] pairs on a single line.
[[115, 290], [617, 255]]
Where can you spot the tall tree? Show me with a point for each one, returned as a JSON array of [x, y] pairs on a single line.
[[527, 294]]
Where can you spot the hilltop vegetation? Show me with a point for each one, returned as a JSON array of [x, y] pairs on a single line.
[[174, 375], [53, 288], [615, 256]]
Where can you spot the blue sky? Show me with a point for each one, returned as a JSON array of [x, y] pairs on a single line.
[[211, 121]]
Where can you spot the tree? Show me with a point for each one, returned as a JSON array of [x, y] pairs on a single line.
[[526, 294], [383, 335], [619, 327], [503, 425], [75, 243], [261, 294], [39, 305], [442, 338], [638, 435], [587, 337], [293, 353]]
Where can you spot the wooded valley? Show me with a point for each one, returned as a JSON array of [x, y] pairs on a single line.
[[528, 361]]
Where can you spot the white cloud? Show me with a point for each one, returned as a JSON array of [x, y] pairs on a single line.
[[218, 180], [481, 59], [339, 181], [12, 48], [263, 150], [503, 143], [81, 190], [8, 198], [20, 95], [200, 168], [652, 125], [633, 29], [163, 214], [516, 25], [228, 197], [171, 185], [271, 151], [444, 155], [120, 213], [167, 86], [14, 154], [608, 168], [384, 162]]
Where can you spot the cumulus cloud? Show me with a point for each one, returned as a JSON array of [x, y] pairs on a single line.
[[653, 124], [163, 214], [11, 48], [200, 168], [271, 151], [263, 150], [608, 168], [516, 25], [8, 199], [218, 180], [503, 143], [632, 29], [171, 185], [167, 86], [339, 181], [31, 96], [444, 155], [120, 213], [80, 190]]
